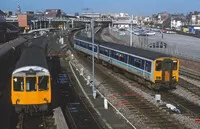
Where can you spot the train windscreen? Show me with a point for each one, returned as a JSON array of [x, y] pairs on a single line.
[[42, 83], [18, 83], [30, 83]]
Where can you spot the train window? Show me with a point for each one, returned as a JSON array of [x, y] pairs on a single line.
[[106, 52], [101, 50], [148, 67], [43, 83], [90, 47], [18, 83], [116, 55], [30, 83], [112, 54], [158, 65], [83, 45], [174, 65], [131, 60], [137, 63], [77, 43], [121, 58], [95, 48]]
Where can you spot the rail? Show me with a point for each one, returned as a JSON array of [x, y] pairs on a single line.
[[98, 28], [190, 73]]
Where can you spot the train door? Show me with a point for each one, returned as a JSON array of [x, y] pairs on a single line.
[[167, 70]]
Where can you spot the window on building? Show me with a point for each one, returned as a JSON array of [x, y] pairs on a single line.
[[18, 83]]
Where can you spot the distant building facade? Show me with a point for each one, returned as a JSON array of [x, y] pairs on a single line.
[[90, 15], [24, 20], [52, 13], [8, 13], [176, 23]]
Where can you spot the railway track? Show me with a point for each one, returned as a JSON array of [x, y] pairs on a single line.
[[190, 73], [154, 116], [188, 84], [43, 121], [81, 115], [187, 108], [148, 113], [190, 87]]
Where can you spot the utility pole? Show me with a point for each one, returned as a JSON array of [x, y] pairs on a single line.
[[162, 29], [92, 24], [131, 32], [93, 88]]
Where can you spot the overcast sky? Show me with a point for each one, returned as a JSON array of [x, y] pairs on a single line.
[[135, 7]]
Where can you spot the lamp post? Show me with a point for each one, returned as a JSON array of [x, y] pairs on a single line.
[[92, 24]]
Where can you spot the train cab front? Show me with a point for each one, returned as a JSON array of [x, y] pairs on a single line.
[[31, 93], [166, 73]]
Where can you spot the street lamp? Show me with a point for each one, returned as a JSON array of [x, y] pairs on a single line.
[[92, 24]]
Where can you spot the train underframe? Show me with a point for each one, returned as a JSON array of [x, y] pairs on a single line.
[[31, 109]]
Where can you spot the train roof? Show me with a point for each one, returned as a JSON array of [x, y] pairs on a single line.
[[132, 50], [33, 55]]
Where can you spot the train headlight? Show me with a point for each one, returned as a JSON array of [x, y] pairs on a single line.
[[173, 77]]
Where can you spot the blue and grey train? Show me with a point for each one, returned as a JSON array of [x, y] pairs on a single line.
[[154, 69]]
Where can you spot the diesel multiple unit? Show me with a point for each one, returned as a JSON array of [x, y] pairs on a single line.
[[30, 81], [154, 69]]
